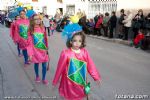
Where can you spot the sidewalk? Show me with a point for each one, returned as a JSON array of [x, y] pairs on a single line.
[[120, 41]]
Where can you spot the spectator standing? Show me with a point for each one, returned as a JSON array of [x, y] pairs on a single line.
[[98, 26], [95, 21], [46, 24], [121, 24], [112, 21], [127, 24], [147, 24], [105, 24], [138, 22]]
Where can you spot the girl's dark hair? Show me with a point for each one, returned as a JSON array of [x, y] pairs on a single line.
[[46, 16], [16, 17], [122, 10], [106, 14], [113, 12], [82, 34], [22, 11]]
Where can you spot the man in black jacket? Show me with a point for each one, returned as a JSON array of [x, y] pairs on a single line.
[[112, 21]]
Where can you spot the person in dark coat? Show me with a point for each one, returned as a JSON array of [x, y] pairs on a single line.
[[82, 22], [121, 24], [112, 21], [138, 22], [147, 24], [95, 21]]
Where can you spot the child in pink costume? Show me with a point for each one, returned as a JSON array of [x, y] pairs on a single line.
[[12, 29], [21, 31], [52, 26], [38, 48], [13, 34], [73, 65]]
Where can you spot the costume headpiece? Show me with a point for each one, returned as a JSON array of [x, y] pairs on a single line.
[[70, 30]]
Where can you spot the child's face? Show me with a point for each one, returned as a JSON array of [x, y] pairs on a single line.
[[37, 20], [76, 42], [22, 14]]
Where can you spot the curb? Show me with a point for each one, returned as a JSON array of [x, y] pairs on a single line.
[[120, 41]]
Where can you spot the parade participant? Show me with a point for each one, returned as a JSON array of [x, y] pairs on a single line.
[[13, 35], [38, 47], [73, 65], [21, 30], [52, 26]]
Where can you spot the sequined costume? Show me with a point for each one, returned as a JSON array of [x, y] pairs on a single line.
[[38, 45], [21, 29], [72, 68]]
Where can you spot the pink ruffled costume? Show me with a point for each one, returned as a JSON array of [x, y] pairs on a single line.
[[21, 31], [38, 46], [52, 25], [12, 31], [70, 67]]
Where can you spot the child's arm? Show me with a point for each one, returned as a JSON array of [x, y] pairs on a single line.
[[45, 37], [60, 67], [92, 68], [30, 46], [16, 35], [12, 29]]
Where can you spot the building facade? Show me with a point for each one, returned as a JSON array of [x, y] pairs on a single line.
[[71, 7], [90, 7]]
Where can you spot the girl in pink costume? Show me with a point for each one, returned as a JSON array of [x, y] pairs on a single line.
[[12, 29], [73, 65], [21, 30], [38, 48], [13, 34], [52, 26]]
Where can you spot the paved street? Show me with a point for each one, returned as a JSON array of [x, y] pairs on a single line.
[[124, 70]]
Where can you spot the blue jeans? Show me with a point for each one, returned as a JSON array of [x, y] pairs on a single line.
[[36, 69], [25, 54]]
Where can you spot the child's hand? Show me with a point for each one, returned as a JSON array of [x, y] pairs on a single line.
[[30, 58]]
